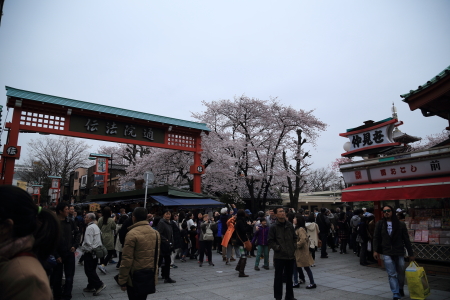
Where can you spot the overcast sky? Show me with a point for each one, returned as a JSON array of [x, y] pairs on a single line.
[[347, 60]]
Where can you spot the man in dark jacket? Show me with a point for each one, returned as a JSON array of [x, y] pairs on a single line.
[[166, 232], [324, 227], [64, 254], [282, 240], [390, 239]]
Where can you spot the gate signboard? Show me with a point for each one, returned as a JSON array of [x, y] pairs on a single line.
[[35, 112]]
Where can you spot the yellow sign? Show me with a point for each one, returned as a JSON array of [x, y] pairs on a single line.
[[94, 207]]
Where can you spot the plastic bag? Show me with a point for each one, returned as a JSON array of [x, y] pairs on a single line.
[[369, 246], [78, 254], [417, 281]]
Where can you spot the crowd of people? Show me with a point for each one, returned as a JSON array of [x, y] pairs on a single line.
[[45, 244]]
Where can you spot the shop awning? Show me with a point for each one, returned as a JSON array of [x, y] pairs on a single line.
[[198, 202], [407, 189]]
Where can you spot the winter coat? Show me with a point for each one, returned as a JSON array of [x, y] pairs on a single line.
[[342, 230], [282, 240], [70, 237], [165, 229], [393, 244], [22, 277], [229, 233], [362, 231], [203, 227], [303, 256], [176, 235], [324, 223], [184, 239], [241, 231], [139, 252], [354, 221], [219, 228], [107, 232], [118, 246], [262, 235], [312, 229]]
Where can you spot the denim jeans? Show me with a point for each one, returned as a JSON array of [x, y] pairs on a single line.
[[395, 268], [262, 249], [68, 267], [298, 271]]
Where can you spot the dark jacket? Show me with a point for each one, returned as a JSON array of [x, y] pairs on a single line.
[[240, 231], [324, 223], [362, 231], [124, 229], [282, 239], [262, 235], [165, 229], [70, 237], [393, 244], [176, 235]]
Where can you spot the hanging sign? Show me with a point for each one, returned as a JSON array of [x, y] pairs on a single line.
[[367, 138]]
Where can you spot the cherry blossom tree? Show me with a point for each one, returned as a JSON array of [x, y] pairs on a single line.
[[248, 137]]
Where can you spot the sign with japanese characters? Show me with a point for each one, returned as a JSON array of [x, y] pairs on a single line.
[[433, 167], [98, 126], [424, 168], [11, 151], [358, 176], [101, 164], [376, 137]]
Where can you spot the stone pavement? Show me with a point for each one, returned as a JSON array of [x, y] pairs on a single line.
[[338, 277]]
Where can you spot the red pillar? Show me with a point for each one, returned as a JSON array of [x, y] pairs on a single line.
[[197, 186], [13, 138]]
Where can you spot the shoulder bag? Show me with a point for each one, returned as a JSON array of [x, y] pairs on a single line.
[[247, 244]]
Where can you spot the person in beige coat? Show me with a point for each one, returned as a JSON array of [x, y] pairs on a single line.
[[303, 257], [140, 251], [28, 235]]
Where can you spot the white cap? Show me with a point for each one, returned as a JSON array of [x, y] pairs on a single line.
[[399, 210]]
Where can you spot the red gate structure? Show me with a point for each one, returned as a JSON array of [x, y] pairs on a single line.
[[40, 113]]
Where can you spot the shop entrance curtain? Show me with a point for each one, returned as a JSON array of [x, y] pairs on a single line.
[[408, 189]]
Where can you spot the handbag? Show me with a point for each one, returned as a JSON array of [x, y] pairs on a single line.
[[100, 251], [144, 279], [417, 281], [319, 244], [247, 244], [208, 235]]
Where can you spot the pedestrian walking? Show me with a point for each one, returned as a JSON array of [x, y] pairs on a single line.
[[205, 239], [240, 237], [28, 235], [166, 232], [282, 240], [92, 241], [261, 240], [107, 225], [139, 256], [390, 239], [65, 257], [303, 258]]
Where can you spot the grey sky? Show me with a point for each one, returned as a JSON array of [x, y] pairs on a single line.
[[348, 60]]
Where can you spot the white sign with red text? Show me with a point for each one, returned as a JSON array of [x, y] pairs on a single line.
[[424, 168]]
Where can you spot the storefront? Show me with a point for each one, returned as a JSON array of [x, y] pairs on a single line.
[[422, 178]]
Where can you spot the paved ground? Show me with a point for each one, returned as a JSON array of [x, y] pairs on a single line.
[[338, 277]]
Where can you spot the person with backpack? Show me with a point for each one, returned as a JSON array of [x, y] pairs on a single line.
[[205, 239]]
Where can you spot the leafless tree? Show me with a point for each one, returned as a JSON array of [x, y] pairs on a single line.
[[322, 179], [54, 157]]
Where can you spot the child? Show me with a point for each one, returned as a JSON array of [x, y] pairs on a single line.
[[184, 241], [261, 235], [193, 238]]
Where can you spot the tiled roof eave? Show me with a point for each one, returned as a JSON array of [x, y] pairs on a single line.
[[13, 92], [439, 77]]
